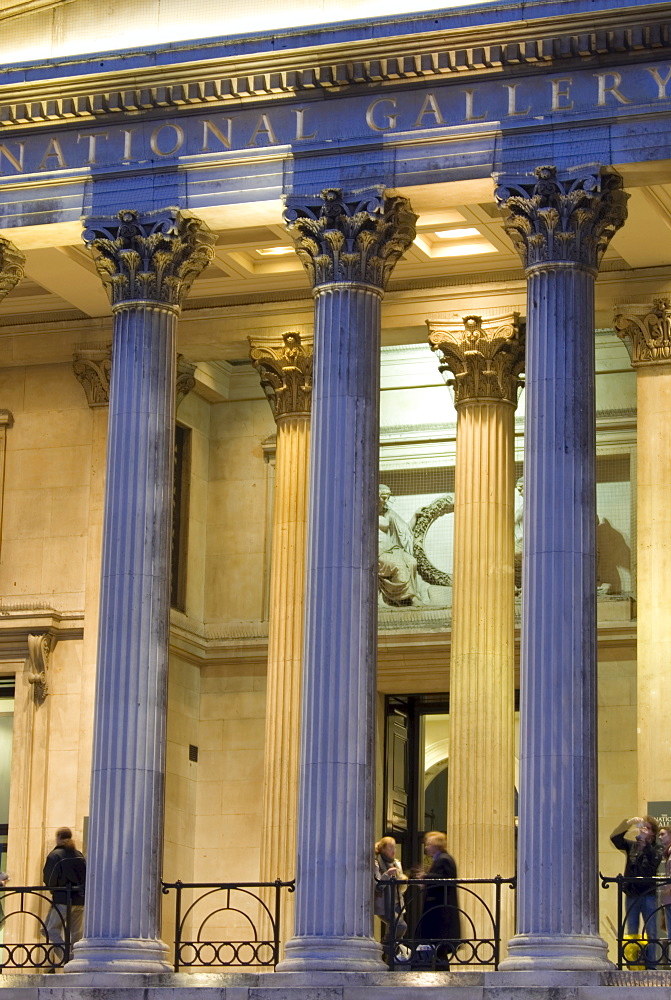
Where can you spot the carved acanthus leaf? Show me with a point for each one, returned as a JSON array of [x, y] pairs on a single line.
[[39, 650], [350, 238], [152, 258], [646, 331], [11, 266], [485, 357], [185, 378], [286, 373], [569, 219], [93, 368]]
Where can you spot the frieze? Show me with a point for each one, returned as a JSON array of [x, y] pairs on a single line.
[[429, 61], [584, 96]]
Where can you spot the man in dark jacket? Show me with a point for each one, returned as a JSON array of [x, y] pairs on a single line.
[[65, 866], [644, 855], [441, 918]]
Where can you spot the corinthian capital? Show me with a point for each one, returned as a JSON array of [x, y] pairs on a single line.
[[11, 266], [646, 330], [286, 372], [568, 219], [485, 357], [93, 367], [149, 258], [355, 238]]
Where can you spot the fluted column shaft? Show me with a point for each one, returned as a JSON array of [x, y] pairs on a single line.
[[561, 227], [149, 264], [285, 651], [486, 359], [557, 893], [126, 830], [482, 662], [285, 369], [653, 582], [349, 245], [335, 818], [646, 331]]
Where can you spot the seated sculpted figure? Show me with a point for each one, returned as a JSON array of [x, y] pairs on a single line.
[[398, 579]]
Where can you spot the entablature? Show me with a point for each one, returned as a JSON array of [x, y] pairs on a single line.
[[468, 51]]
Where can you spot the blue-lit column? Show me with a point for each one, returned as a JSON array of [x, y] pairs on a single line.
[[349, 245], [560, 225], [148, 264]]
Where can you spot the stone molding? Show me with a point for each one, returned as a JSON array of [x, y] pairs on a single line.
[[349, 64], [646, 331], [568, 218], [285, 370], [350, 238], [93, 369], [149, 258], [11, 266], [486, 357]]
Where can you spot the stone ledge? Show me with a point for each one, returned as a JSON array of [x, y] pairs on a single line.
[[464, 984]]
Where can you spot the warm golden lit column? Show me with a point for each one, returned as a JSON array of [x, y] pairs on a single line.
[[646, 331], [285, 368], [486, 358]]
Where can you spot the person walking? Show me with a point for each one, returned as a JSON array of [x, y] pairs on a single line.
[[440, 921], [65, 867]]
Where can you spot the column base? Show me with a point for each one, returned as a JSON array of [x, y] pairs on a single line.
[[556, 951], [331, 954], [119, 955]]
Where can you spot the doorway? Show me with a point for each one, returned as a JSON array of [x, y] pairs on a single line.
[[416, 768]]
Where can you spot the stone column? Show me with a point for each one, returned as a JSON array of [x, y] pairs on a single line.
[[560, 226], [148, 263], [646, 330], [349, 246], [285, 369], [486, 359]]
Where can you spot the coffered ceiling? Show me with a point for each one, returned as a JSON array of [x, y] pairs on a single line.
[[461, 261]]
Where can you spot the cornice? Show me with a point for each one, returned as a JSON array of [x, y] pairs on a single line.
[[18, 621], [468, 51]]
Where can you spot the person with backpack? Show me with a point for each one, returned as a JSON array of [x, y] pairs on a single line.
[[65, 866]]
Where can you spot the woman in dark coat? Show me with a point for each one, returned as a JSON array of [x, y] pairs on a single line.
[[440, 916]]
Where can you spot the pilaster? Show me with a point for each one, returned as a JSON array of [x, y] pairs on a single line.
[[486, 358], [349, 245], [646, 330], [6, 421], [11, 272], [148, 264], [560, 225], [285, 369]]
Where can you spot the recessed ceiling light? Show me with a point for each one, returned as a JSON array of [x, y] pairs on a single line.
[[465, 250], [274, 251], [456, 234]]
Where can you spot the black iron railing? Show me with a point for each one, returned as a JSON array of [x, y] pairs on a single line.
[[28, 940], [441, 923], [642, 932], [222, 924]]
